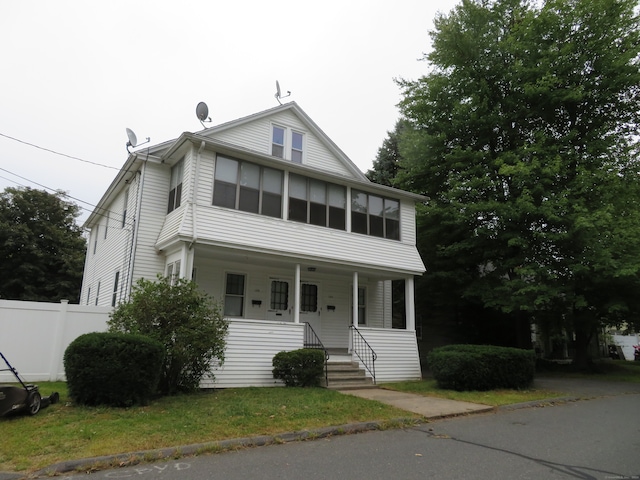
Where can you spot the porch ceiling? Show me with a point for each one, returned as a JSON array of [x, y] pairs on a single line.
[[321, 266]]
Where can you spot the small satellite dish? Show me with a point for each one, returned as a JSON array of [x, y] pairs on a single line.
[[133, 140], [279, 93], [202, 112]]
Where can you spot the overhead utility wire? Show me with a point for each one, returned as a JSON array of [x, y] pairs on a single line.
[[58, 153], [61, 192]]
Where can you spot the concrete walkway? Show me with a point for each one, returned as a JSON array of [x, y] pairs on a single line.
[[428, 407]]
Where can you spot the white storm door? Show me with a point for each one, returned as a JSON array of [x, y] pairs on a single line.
[[279, 301]]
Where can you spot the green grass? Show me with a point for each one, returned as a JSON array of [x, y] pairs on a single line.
[[494, 398], [65, 432], [608, 370]]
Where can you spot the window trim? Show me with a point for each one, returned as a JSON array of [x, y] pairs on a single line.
[[262, 206], [242, 296], [309, 203], [368, 215], [288, 143], [175, 191]]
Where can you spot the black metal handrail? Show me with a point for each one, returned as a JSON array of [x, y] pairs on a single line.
[[311, 340], [364, 352]]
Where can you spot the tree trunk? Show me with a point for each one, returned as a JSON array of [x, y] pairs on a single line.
[[581, 357]]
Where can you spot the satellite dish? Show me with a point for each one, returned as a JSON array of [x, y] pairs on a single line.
[[133, 140], [279, 93], [202, 112]]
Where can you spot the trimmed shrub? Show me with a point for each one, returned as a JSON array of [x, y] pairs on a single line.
[[187, 321], [299, 368], [481, 367], [114, 369]]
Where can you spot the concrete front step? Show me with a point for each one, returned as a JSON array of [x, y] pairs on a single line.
[[347, 375]]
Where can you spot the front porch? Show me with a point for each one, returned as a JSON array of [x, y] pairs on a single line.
[[252, 344]]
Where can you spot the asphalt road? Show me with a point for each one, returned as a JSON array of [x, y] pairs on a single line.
[[587, 439]]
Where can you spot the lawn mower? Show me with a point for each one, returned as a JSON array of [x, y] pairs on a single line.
[[23, 399]]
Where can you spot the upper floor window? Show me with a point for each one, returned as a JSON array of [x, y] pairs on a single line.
[[287, 143], [374, 215], [317, 202], [114, 296], [175, 186], [248, 187]]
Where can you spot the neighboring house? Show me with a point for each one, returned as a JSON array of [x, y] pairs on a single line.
[[272, 219]]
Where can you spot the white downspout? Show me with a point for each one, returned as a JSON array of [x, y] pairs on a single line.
[[134, 241]]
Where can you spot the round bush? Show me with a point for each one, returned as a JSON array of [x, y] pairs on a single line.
[[113, 369], [481, 367], [299, 368]]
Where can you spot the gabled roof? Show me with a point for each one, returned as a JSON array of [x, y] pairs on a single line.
[[295, 109], [163, 151]]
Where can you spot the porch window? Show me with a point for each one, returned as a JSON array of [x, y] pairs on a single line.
[[362, 306], [248, 187], [234, 295], [316, 202], [309, 297], [173, 272], [375, 215], [175, 186], [279, 295]]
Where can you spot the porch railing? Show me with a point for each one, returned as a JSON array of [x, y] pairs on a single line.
[[364, 351], [311, 340]]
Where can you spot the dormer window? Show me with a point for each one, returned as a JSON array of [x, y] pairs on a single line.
[[287, 144]]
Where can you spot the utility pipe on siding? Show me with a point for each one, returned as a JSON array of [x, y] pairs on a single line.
[[136, 226], [296, 300]]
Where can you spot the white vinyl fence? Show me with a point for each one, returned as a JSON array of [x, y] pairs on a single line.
[[34, 336]]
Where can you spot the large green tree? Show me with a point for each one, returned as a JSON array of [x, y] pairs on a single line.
[[523, 135], [41, 246]]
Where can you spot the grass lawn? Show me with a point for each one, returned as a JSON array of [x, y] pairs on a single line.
[[496, 398], [64, 431]]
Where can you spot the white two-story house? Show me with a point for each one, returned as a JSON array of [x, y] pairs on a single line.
[[273, 220]]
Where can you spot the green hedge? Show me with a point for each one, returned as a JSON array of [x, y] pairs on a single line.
[[481, 367], [114, 369], [299, 368]]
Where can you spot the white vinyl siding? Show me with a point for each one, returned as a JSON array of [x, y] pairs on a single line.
[[113, 252], [257, 136], [397, 352], [240, 230], [251, 346]]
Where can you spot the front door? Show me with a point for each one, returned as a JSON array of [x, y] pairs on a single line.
[[279, 301], [309, 306]]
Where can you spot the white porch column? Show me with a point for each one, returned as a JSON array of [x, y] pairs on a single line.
[[186, 259], [410, 304], [296, 300]]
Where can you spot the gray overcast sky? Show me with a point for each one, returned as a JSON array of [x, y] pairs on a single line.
[[75, 74]]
